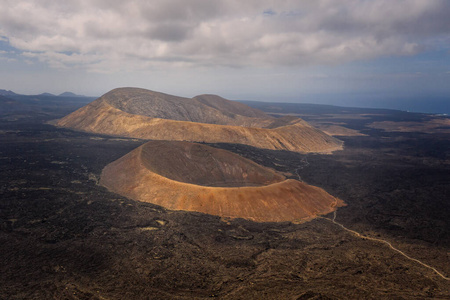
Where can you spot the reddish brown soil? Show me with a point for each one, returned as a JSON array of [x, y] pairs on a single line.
[[275, 199], [201, 165]]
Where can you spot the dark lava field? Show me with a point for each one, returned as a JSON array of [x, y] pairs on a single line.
[[62, 236]]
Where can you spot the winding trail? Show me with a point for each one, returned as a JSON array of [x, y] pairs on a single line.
[[371, 238], [384, 242], [305, 163]]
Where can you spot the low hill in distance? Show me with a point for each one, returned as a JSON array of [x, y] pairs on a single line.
[[16, 106], [195, 177], [7, 93], [69, 94], [45, 94], [140, 113]]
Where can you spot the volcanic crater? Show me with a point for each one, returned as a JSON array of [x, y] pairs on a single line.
[[195, 177]]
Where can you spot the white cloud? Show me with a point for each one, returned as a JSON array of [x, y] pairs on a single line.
[[106, 35]]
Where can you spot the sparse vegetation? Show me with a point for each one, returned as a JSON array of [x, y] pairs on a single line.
[[76, 240]]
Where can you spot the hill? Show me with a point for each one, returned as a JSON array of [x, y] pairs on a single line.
[[145, 114], [7, 93], [69, 94], [194, 177], [209, 109]]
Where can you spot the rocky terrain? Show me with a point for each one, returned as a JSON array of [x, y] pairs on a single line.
[[209, 109], [193, 177], [138, 113], [63, 236], [434, 125]]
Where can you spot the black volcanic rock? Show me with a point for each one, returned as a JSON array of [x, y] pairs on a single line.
[[62, 236], [5, 100], [8, 105]]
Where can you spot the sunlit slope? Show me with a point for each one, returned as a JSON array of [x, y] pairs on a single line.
[[210, 109], [257, 193], [145, 114]]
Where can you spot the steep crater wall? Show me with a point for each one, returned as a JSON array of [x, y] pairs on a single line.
[[141, 176], [202, 165]]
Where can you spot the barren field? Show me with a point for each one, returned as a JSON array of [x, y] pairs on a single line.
[[65, 237]]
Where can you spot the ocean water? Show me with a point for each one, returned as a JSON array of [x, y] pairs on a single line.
[[420, 104], [433, 106]]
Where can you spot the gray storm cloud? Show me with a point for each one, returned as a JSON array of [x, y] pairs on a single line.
[[101, 35]]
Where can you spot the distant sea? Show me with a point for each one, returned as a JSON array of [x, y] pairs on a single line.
[[431, 105]]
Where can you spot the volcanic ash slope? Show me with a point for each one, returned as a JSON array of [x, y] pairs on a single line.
[[194, 177], [140, 113]]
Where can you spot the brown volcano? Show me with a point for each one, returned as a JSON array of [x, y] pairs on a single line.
[[194, 177], [145, 114]]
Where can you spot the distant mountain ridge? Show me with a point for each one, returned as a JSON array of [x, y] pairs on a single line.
[[65, 94], [70, 94], [7, 93], [145, 114]]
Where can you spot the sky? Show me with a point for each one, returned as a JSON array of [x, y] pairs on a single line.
[[317, 51]]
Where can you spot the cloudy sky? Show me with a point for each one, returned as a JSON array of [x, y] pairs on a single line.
[[285, 50]]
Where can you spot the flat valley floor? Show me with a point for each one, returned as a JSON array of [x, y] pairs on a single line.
[[62, 236]]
